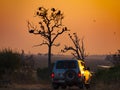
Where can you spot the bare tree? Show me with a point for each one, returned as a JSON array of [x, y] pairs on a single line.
[[51, 28], [78, 50]]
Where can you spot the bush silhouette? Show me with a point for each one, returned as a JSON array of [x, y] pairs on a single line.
[[9, 62]]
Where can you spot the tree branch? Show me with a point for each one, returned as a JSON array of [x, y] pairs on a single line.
[[43, 43], [56, 44], [66, 48], [75, 56], [78, 49], [59, 33]]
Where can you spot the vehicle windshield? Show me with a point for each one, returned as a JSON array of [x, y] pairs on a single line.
[[65, 65]]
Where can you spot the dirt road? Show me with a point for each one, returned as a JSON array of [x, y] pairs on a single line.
[[37, 87]]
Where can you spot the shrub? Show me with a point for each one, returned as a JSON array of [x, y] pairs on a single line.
[[111, 75], [114, 58], [43, 74], [9, 62]]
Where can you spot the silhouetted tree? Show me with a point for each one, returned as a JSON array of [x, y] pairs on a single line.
[[51, 28], [78, 50]]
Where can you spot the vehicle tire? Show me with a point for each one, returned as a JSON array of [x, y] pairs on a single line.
[[64, 87], [81, 85], [55, 86], [87, 86], [70, 75]]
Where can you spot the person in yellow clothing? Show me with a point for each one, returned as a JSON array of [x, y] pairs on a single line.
[[88, 76]]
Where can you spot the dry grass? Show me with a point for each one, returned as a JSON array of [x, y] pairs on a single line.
[[97, 86], [31, 86]]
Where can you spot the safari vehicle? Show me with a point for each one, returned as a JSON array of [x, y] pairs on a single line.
[[69, 73]]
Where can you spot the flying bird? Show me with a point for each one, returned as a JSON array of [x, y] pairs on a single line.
[[114, 33], [94, 20]]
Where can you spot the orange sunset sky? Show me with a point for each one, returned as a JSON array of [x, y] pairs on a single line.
[[98, 21]]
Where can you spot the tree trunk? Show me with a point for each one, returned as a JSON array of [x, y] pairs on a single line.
[[49, 59]]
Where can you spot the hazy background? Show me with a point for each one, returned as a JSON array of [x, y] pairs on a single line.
[[98, 21]]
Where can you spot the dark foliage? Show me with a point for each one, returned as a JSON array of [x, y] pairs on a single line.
[[108, 76], [9, 62], [43, 74], [114, 58]]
